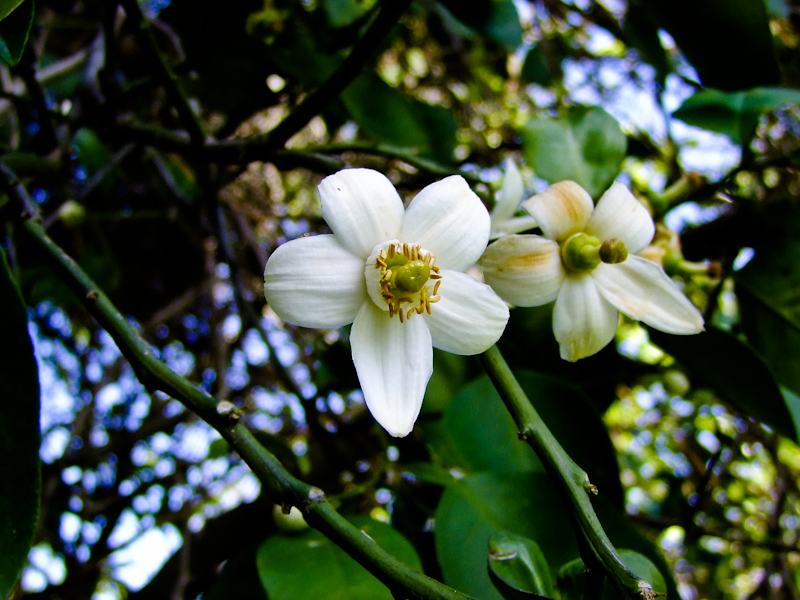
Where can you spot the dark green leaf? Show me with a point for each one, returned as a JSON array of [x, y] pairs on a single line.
[[642, 34], [768, 291], [519, 564], [736, 373], [474, 508], [734, 114], [8, 6], [92, 154], [345, 12], [496, 19], [19, 434], [311, 566], [571, 575], [535, 68], [585, 145], [14, 31], [728, 42], [477, 419], [391, 118], [239, 579]]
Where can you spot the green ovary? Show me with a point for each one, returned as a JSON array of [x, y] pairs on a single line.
[[411, 277], [581, 252]]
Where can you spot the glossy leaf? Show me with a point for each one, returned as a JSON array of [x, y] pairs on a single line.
[[585, 145], [767, 293], [734, 114], [728, 42], [311, 566], [571, 575], [8, 6], [19, 434], [519, 564], [734, 371], [496, 19], [476, 507], [14, 30], [477, 420], [385, 114]]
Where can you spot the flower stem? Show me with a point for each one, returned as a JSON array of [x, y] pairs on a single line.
[[573, 482]]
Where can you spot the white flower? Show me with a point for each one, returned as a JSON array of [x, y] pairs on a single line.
[[508, 201], [583, 263], [397, 275]]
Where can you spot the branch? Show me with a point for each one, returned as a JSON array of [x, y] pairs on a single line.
[[573, 481], [279, 484], [164, 73]]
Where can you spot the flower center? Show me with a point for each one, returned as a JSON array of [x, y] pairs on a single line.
[[581, 252], [407, 277]]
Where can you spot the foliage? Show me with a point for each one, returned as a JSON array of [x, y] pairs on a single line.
[[154, 154]]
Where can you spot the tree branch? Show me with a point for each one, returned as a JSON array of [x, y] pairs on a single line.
[[279, 484]]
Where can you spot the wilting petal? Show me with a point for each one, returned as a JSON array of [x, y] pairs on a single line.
[[362, 208], [315, 282], [620, 215], [510, 195], [583, 321], [641, 290], [524, 269], [448, 219], [394, 361], [468, 318], [561, 209]]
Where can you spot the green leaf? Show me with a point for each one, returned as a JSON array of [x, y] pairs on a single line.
[[642, 34], [535, 69], [728, 42], [345, 12], [476, 507], [92, 154], [496, 19], [311, 566], [477, 420], [736, 373], [8, 6], [570, 576], [768, 292], [519, 564], [585, 145], [19, 434], [14, 30], [734, 114], [394, 119]]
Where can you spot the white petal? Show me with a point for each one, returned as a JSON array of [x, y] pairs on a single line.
[[620, 215], [583, 321], [394, 361], [315, 282], [468, 318], [510, 195], [362, 208], [448, 219], [641, 290], [560, 210], [524, 269]]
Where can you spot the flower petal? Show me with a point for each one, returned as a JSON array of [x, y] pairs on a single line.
[[561, 209], [642, 290], [362, 208], [394, 362], [510, 195], [448, 219], [515, 225], [524, 269], [468, 318], [620, 215], [583, 321], [315, 282]]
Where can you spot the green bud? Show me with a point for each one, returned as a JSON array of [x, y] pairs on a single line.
[[613, 251]]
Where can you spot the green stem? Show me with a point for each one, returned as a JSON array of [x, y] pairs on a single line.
[[281, 485], [573, 481]]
